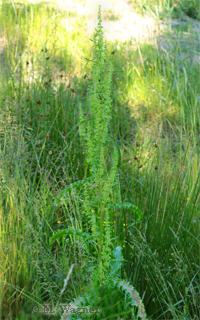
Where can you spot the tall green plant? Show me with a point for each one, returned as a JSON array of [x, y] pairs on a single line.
[[94, 137], [103, 183]]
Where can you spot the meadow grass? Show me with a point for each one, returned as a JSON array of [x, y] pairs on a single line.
[[162, 8], [155, 122]]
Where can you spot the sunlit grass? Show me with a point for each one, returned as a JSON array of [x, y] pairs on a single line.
[[155, 121], [161, 8]]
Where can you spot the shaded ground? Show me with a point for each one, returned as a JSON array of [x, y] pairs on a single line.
[[120, 22]]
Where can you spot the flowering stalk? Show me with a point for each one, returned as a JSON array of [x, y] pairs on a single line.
[[94, 136]]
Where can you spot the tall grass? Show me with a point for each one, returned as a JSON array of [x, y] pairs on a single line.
[[163, 8], [155, 122]]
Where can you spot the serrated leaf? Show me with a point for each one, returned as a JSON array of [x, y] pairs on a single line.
[[70, 231], [72, 186], [137, 301], [127, 205]]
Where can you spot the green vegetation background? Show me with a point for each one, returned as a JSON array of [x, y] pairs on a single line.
[[156, 123]]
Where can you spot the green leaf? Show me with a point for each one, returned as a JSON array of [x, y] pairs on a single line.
[[116, 263], [70, 231], [127, 205], [78, 124], [118, 151], [136, 300], [93, 167], [76, 184]]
